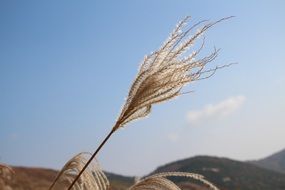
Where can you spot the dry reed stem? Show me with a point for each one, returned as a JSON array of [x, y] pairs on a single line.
[[163, 74]]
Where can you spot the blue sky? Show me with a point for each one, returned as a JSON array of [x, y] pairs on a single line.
[[66, 67]]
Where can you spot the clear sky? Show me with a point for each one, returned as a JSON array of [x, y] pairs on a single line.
[[66, 67]]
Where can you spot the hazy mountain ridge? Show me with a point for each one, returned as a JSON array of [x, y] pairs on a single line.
[[228, 174], [274, 162]]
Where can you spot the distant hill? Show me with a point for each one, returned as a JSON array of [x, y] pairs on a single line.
[[119, 182], [228, 174], [274, 162]]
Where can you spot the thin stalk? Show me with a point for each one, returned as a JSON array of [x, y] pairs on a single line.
[[54, 181], [92, 157]]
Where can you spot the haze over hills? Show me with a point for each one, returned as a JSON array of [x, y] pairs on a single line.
[[227, 174], [274, 162]]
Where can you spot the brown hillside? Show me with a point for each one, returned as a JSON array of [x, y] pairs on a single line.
[[26, 178]]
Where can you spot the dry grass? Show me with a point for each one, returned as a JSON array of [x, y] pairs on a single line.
[[93, 177], [161, 77], [163, 74], [6, 174], [5, 171], [160, 181]]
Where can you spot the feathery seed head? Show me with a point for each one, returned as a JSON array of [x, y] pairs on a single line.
[[164, 72], [6, 173], [160, 182], [92, 178]]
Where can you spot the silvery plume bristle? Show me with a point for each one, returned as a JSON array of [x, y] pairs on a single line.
[[164, 72]]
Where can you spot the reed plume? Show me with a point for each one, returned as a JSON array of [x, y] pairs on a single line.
[[164, 73], [6, 172], [160, 182], [93, 178]]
